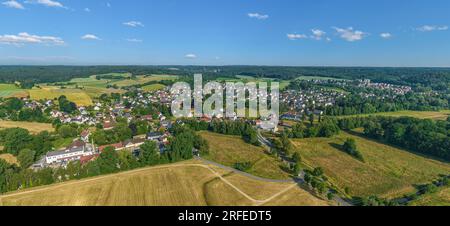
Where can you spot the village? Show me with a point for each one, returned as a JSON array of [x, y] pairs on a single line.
[[132, 107]]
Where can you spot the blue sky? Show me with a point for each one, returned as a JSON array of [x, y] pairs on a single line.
[[226, 32]]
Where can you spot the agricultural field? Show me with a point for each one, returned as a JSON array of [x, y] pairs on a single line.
[[387, 171], [91, 82], [183, 184], [77, 96], [440, 198], [154, 87], [33, 127], [228, 150], [11, 159], [141, 79], [95, 92], [11, 90], [435, 115]]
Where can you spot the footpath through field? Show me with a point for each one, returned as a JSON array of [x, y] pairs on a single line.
[[218, 175]]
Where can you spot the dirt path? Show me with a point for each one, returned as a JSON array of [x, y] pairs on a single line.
[[255, 201]]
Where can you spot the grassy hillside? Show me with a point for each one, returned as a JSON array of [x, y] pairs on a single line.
[[154, 87], [77, 96], [229, 150], [11, 159], [437, 115], [11, 90], [440, 198], [387, 171], [182, 184], [33, 127]]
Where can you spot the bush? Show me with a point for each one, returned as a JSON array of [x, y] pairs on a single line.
[[243, 166]]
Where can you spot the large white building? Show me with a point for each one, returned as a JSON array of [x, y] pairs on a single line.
[[72, 153]]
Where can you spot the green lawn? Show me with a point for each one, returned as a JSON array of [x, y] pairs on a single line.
[[387, 171], [62, 142]]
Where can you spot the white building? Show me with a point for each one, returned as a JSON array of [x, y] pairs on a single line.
[[72, 153]]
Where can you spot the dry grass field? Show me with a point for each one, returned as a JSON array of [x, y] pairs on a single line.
[[440, 198], [154, 87], [141, 79], [95, 92], [436, 115], [33, 127], [11, 159], [182, 184], [80, 97], [387, 171], [228, 150]]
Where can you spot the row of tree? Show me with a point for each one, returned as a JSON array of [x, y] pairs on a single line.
[[226, 127], [424, 136], [356, 104], [429, 137]]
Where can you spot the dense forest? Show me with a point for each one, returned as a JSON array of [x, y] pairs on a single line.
[[436, 78]]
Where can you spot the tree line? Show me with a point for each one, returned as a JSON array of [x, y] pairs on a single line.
[[424, 136], [226, 127]]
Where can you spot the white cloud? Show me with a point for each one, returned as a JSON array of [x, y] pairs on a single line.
[[427, 28], [317, 34], [296, 36], [87, 10], [190, 56], [258, 16], [13, 4], [134, 24], [134, 40], [48, 3], [386, 35], [90, 37], [25, 38], [40, 59], [350, 35]]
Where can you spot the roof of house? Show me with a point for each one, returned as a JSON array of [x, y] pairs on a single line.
[[85, 133], [108, 125], [154, 134], [86, 159], [66, 151], [134, 141]]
